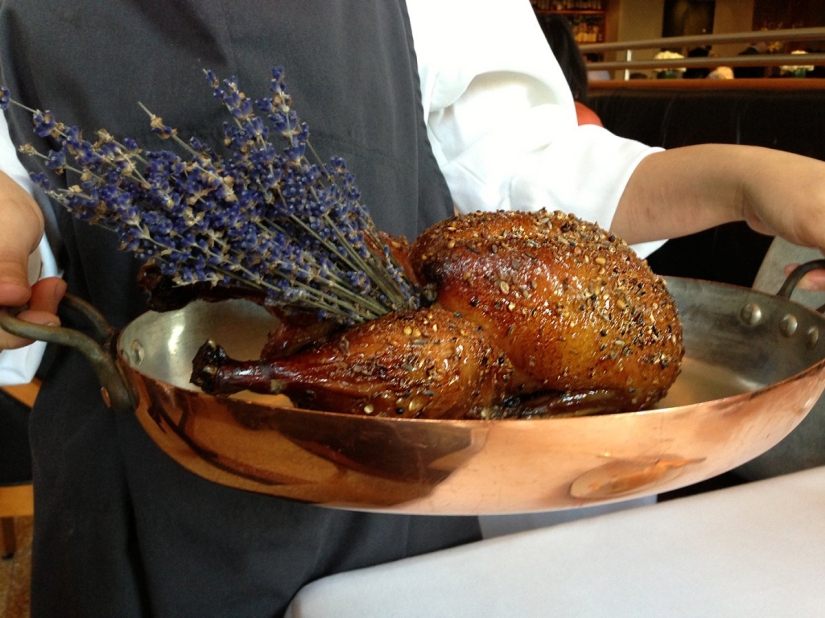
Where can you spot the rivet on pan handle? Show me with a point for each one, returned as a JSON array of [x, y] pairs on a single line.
[[114, 387]]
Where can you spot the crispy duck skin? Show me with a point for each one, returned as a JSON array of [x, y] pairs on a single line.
[[427, 363], [535, 314], [573, 307]]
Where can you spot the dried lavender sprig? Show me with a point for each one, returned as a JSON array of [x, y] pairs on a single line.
[[397, 289], [278, 108], [354, 283], [242, 111]]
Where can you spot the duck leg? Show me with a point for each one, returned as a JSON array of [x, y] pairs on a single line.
[[425, 363]]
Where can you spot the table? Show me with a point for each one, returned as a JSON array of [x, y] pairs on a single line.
[[753, 550]]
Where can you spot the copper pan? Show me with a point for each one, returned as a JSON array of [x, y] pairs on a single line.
[[753, 369]]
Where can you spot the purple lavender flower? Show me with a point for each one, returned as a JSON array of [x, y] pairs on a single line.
[[255, 213], [44, 123]]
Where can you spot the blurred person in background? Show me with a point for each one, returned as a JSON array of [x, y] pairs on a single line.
[[754, 49], [562, 41]]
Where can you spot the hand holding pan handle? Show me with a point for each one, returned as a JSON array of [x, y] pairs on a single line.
[[796, 276], [114, 387]]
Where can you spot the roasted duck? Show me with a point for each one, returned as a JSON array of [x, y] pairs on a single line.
[[573, 307], [534, 313]]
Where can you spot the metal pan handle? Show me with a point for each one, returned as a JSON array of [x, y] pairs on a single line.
[[114, 386], [796, 276]]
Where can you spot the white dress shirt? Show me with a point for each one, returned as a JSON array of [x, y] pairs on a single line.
[[500, 118]]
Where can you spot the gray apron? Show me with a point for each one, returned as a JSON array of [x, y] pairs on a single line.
[[121, 530]]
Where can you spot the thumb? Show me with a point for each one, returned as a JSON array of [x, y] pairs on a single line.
[[14, 282]]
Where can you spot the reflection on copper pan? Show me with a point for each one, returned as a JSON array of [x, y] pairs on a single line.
[[625, 477]]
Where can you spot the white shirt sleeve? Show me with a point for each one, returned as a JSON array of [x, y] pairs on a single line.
[[501, 119], [19, 366]]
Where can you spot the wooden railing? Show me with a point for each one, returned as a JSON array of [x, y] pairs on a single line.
[[628, 64], [24, 393]]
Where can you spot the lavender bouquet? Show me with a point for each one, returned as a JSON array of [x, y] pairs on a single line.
[[251, 214]]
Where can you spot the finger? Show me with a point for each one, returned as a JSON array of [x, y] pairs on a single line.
[[42, 309], [10, 342], [46, 295]]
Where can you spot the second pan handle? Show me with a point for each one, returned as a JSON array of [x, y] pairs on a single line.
[[114, 386]]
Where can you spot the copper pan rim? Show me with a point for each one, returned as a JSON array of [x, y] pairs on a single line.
[[746, 384]]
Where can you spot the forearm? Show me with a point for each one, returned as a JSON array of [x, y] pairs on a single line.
[[689, 189], [678, 192]]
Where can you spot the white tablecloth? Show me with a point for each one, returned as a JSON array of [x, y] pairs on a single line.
[[754, 550]]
